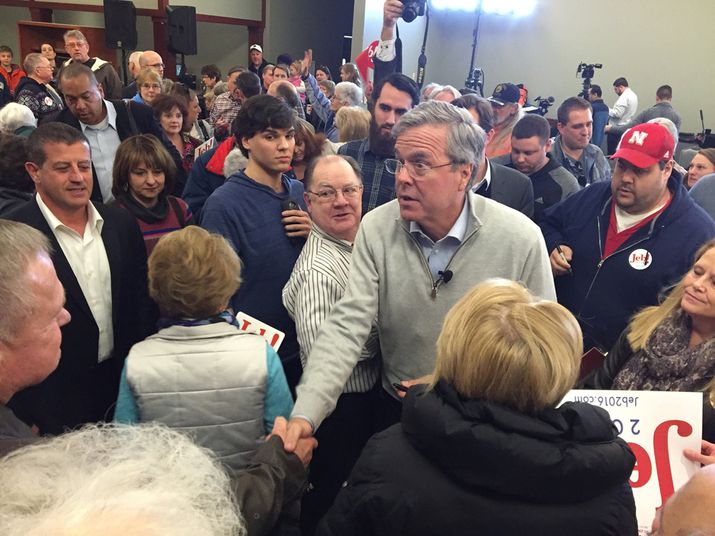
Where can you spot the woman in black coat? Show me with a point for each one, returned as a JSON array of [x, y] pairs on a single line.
[[484, 450]]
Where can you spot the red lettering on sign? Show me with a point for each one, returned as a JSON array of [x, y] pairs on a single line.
[[244, 326], [662, 456], [274, 340], [642, 466]]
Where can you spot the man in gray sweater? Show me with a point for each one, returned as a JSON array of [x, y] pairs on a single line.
[[414, 258]]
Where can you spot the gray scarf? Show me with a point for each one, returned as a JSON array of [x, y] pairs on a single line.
[[666, 363]]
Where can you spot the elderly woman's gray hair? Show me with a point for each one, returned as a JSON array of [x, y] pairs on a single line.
[[114, 480], [465, 139], [669, 125], [348, 93], [14, 116]]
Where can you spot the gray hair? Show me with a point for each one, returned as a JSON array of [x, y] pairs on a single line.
[[445, 89], [668, 124], [86, 481], [134, 57], [220, 87], [465, 139], [348, 93], [234, 162], [76, 34], [14, 116], [429, 90], [20, 244], [32, 60]]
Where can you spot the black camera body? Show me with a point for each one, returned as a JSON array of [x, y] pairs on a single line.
[[413, 9], [587, 70]]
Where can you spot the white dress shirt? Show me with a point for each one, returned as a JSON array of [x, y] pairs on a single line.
[[88, 258], [104, 140], [625, 108]]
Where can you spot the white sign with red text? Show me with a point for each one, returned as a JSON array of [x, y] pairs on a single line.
[[657, 426], [253, 325]]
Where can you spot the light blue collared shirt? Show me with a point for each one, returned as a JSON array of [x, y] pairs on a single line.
[[439, 253], [104, 141]]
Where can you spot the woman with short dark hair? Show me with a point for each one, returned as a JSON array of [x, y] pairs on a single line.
[[143, 175]]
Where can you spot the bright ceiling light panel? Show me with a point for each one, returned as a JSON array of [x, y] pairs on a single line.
[[519, 8]]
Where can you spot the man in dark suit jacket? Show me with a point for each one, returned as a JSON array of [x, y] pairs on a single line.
[[500, 183], [107, 123], [99, 256]]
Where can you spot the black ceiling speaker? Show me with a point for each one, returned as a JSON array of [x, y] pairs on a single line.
[[120, 24], [182, 29]]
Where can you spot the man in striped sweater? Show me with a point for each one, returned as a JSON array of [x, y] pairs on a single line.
[[333, 196]]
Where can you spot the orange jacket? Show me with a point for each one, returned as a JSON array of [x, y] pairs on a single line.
[[14, 77]]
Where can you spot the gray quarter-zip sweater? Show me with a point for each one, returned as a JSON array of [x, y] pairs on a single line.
[[389, 277]]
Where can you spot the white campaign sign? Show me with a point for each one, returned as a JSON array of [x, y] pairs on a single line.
[[252, 325], [657, 426]]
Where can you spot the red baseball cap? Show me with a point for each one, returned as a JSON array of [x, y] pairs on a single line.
[[645, 144]]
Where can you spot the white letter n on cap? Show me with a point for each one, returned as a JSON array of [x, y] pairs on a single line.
[[638, 137]]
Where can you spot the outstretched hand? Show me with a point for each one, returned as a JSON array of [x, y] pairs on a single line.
[[301, 445], [307, 61]]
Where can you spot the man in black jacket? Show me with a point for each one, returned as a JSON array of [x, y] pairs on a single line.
[[100, 259], [106, 123]]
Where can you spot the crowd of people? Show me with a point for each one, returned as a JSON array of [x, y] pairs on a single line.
[[426, 267]]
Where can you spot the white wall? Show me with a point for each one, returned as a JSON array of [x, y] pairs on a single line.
[[650, 42]]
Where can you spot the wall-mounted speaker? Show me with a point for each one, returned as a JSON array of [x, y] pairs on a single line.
[[182, 29], [120, 24]]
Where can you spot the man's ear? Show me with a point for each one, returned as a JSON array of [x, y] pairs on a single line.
[[245, 142], [32, 170], [101, 89], [307, 200], [547, 145]]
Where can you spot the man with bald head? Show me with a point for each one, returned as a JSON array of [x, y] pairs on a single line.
[[689, 512], [151, 60], [286, 91]]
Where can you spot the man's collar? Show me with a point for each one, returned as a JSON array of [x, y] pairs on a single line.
[[327, 236], [94, 219], [487, 179], [111, 117], [458, 230]]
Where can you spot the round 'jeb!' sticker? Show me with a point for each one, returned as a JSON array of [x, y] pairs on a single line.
[[640, 259]]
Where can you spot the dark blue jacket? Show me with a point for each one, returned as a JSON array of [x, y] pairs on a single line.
[[5, 95], [600, 120], [603, 295], [201, 184], [248, 215]]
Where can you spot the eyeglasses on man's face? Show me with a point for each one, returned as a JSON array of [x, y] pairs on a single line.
[[327, 194], [414, 169]]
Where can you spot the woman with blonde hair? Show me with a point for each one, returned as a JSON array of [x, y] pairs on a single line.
[[353, 123], [200, 373], [484, 449], [671, 347], [149, 86]]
